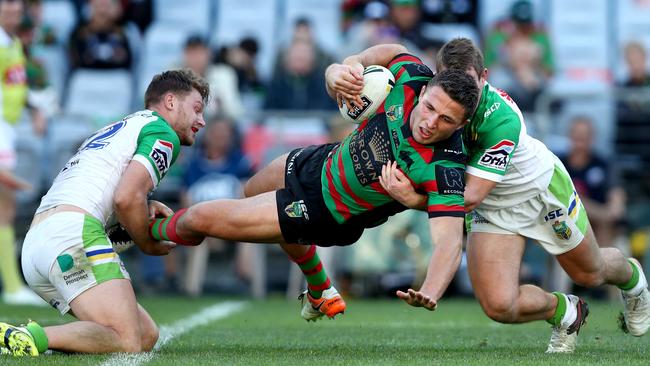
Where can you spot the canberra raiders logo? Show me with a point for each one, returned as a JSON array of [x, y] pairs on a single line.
[[161, 155], [497, 156]]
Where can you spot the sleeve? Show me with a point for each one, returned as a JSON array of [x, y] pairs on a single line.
[[157, 149], [444, 184], [409, 69], [495, 147]]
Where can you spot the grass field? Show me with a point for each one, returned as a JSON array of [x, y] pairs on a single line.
[[370, 333]]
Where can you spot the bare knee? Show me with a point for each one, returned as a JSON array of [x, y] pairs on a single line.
[[588, 279], [500, 310], [131, 342], [149, 337]]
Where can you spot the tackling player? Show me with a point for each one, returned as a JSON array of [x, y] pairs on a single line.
[[68, 259], [328, 194], [517, 189]]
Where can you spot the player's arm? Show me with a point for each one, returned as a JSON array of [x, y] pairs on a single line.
[[447, 235], [399, 187], [12, 182], [476, 189], [130, 202], [345, 80]]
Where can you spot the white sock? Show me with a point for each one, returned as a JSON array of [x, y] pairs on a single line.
[[571, 313]]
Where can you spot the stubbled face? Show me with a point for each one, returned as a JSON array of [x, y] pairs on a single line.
[[186, 116], [11, 13], [436, 117]]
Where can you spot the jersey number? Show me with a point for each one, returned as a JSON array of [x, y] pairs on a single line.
[[99, 139]]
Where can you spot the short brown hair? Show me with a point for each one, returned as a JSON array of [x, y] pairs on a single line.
[[460, 87], [460, 54], [180, 82]]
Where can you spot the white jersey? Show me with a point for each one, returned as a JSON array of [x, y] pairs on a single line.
[[89, 179], [501, 150]]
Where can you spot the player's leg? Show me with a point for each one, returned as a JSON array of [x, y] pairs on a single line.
[[590, 266], [494, 262], [109, 321], [270, 178], [253, 219]]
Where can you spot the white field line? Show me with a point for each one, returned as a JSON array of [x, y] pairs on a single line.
[[169, 332]]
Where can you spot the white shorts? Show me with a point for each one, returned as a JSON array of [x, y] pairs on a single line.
[[7, 146], [67, 254], [555, 218]]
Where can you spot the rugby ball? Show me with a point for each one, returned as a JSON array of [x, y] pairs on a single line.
[[119, 237], [378, 81]]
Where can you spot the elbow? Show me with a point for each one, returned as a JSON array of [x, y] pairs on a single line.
[[123, 201]]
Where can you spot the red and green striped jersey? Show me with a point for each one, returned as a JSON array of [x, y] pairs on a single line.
[[350, 175]]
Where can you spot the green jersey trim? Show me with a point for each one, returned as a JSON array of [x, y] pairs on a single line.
[[158, 147]]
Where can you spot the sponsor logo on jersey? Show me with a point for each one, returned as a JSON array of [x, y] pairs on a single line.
[[161, 154], [394, 112], [297, 209], [450, 180], [15, 75], [497, 156], [73, 277], [356, 111], [65, 261], [562, 230], [555, 214], [369, 150], [493, 108]]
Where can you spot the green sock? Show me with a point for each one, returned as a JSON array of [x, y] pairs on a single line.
[[560, 310], [38, 333], [11, 280], [633, 280], [312, 268]]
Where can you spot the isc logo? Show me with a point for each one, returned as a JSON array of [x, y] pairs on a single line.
[[553, 215]]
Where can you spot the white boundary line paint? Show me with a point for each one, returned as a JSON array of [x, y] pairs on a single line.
[[180, 327]]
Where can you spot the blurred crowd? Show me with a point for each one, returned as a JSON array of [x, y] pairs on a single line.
[[87, 60]]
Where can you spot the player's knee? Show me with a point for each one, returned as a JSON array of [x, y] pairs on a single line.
[[149, 338], [500, 310], [131, 344], [588, 279]]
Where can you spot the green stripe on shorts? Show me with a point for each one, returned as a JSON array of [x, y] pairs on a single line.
[[94, 235], [562, 188]]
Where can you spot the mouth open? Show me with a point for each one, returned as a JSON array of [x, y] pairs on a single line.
[[195, 130], [425, 133]]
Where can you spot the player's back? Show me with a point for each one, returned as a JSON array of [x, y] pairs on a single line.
[[89, 179]]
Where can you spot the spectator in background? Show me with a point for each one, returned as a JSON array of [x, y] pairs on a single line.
[[375, 28], [138, 12], [43, 34], [242, 58], [304, 32], [406, 15], [13, 98], [518, 52], [592, 177], [298, 84], [214, 170], [635, 57], [101, 42], [224, 98], [450, 11]]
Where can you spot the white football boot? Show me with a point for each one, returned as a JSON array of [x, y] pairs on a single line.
[[637, 308], [330, 304], [564, 339]]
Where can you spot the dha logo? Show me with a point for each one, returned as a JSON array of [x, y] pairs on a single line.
[[493, 108], [497, 156], [161, 154]]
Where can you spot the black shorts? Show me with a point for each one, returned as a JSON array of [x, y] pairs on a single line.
[[304, 217]]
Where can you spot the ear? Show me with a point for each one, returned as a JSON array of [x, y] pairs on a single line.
[[169, 100], [422, 91], [484, 75]]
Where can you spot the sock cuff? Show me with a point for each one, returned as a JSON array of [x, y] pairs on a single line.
[[634, 280], [560, 310], [38, 333], [310, 253]]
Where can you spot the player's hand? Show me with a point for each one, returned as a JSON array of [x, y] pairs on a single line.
[[418, 299], [398, 186], [346, 81], [158, 209], [158, 247]]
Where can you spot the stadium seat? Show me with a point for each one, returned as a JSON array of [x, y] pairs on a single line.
[[60, 16], [163, 48], [99, 94], [235, 20], [193, 15], [65, 135]]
